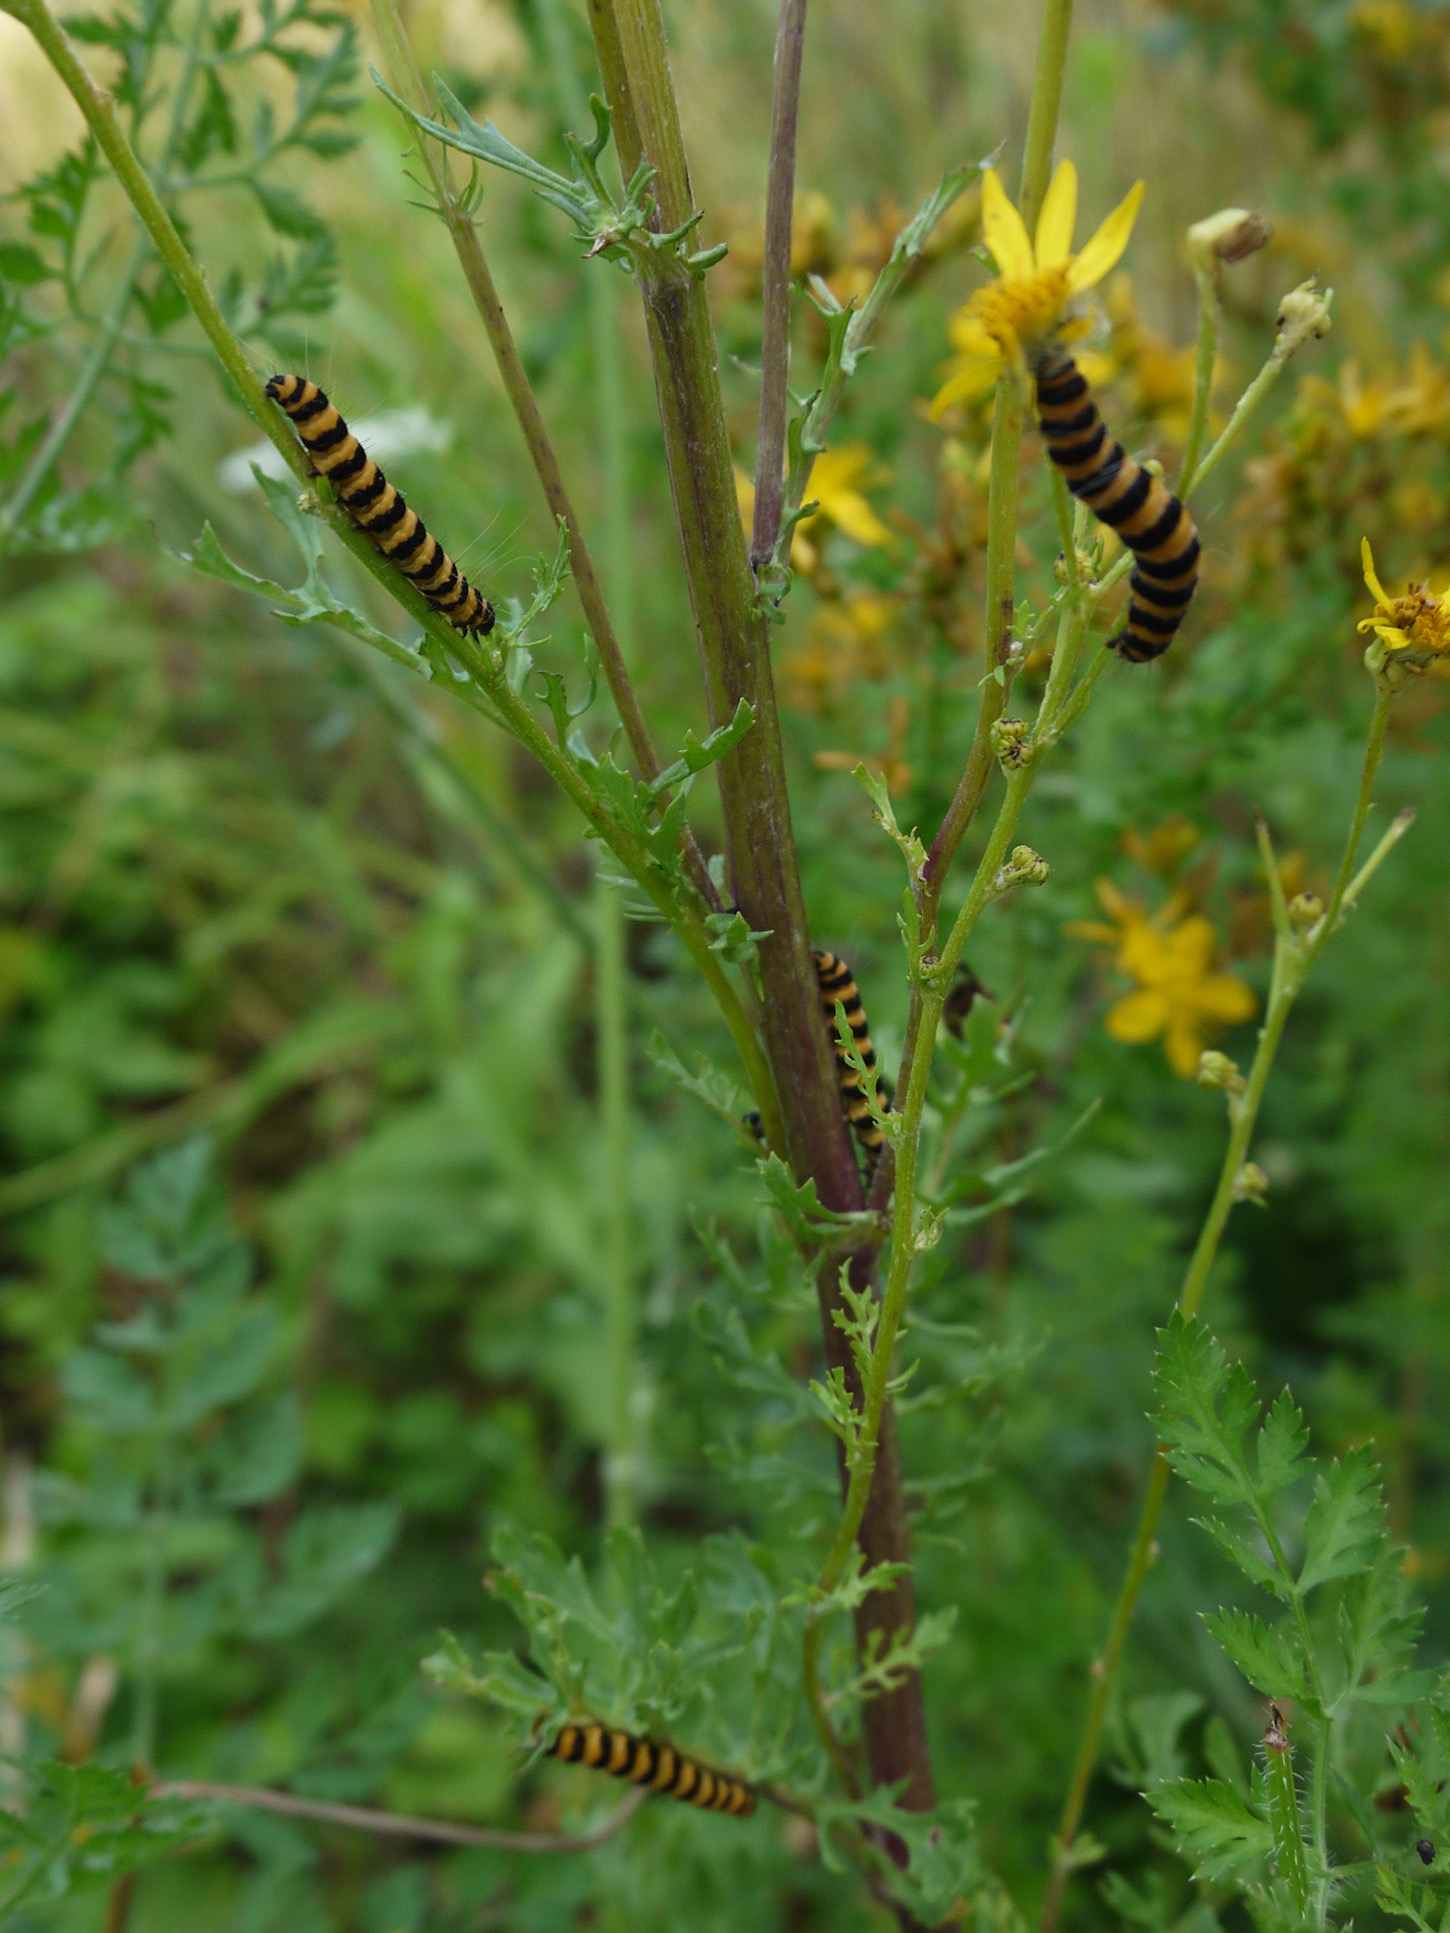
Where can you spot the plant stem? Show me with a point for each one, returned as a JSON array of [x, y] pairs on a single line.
[[775, 295], [1007, 424], [611, 1024], [1043, 113], [1294, 954], [611, 1008], [1210, 318], [735, 656], [462, 232]]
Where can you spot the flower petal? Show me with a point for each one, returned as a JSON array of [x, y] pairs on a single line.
[[967, 335], [1003, 229], [1223, 999], [1183, 1045], [1058, 218], [1105, 248], [1138, 1017], [973, 377], [849, 511], [1372, 583]]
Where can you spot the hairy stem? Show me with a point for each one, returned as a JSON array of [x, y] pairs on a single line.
[[1294, 954], [775, 296]]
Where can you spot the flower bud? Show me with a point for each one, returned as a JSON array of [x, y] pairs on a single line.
[[1305, 910], [1024, 868], [1303, 315], [1217, 1071], [1009, 742], [1251, 1183], [1229, 236]]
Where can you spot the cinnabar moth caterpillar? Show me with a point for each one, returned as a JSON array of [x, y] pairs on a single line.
[[837, 985], [1120, 492], [376, 507], [660, 1768]]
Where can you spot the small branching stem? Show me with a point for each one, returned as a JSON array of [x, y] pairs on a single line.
[[1294, 955], [775, 295]]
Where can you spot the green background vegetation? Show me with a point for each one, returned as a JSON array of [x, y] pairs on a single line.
[[239, 896]]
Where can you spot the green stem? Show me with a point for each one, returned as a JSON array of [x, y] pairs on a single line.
[[1002, 504], [611, 1021], [1294, 954], [1243, 409], [1043, 113], [463, 233], [1210, 318], [1284, 1821], [611, 1011]]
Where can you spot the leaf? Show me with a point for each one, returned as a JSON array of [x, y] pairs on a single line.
[[801, 1206], [1281, 1446], [21, 264], [326, 1551], [1216, 1831], [286, 212], [696, 756], [1268, 1655], [1345, 1528], [943, 1866], [1244, 1545], [1205, 1409]]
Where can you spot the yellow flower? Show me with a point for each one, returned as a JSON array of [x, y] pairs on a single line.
[[1415, 627], [1035, 281], [837, 482], [1177, 995]]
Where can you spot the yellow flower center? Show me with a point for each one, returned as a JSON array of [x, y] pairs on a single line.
[[1017, 307], [1424, 620]]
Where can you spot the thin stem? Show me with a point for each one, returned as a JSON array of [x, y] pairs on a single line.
[[1210, 319], [1294, 954], [611, 1023], [398, 1825], [1007, 425], [1243, 409], [775, 296], [462, 232], [1043, 113]]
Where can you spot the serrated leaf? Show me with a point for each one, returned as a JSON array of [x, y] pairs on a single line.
[[1281, 1446], [1205, 1408], [1216, 1831], [1243, 1544], [1345, 1528], [1268, 1655], [326, 1551]]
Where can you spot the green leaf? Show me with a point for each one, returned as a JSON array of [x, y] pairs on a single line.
[[1205, 1409], [802, 1208], [327, 1549], [1268, 1655], [21, 264], [1344, 1531], [696, 756], [1216, 1831], [1281, 1446], [286, 212]]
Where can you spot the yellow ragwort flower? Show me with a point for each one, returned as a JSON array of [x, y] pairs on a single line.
[[838, 481], [1414, 628], [1177, 995], [1035, 282]]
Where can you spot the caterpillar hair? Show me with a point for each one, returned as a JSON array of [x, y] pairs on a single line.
[[837, 984], [1121, 493], [376, 507], [659, 1768]]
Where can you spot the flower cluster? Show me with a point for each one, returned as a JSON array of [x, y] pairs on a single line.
[[1413, 630], [1037, 280]]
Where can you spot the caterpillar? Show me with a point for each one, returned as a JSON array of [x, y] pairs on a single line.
[[659, 1767], [837, 984], [376, 507], [1120, 492]]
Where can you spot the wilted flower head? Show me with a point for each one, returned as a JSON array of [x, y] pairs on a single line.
[[1036, 278]]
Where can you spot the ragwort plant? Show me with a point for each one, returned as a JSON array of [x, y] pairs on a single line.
[[803, 1680]]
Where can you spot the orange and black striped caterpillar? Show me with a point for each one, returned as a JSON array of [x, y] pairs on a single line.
[[837, 985], [659, 1768], [1120, 492], [376, 507]]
